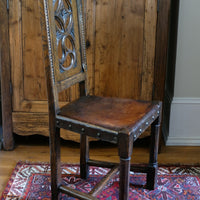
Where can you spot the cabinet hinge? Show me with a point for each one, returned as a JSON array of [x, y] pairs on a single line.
[[11, 89], [158, 5], [7, 5]]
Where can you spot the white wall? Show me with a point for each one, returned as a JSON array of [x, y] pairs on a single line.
[[187, 81], [185, 109]]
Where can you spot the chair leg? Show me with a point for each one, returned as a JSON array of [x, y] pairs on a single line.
[[125, 151], [153, 165], [55, 163], [124, 179], [84, 157]]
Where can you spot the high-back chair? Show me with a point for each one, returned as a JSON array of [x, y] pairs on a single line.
[[115, 120]]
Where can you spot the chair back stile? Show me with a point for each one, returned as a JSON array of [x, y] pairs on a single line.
[[63, 40]]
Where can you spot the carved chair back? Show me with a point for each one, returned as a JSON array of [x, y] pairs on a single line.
[[64, 45]]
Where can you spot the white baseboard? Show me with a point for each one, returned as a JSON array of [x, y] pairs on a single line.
[[184, 127], [180, 141], [186, 100]]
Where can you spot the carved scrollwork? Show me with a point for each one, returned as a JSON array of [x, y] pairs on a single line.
[[65, 34]]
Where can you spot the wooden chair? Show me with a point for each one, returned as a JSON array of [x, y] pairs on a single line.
[[115, 120]]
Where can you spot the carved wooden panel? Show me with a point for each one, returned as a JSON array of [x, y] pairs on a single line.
[[65, 35], [68, 62]]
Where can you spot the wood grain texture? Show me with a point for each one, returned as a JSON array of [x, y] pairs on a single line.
[[37, 123], [118, 48], [6, 95], [150, 19], [120, 40], [15, 36], [19, 62], [33, 69], [90, 18], [124, 51], [27, 68], [28, 76]]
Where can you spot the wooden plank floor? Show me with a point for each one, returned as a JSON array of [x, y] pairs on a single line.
[[36, 149]]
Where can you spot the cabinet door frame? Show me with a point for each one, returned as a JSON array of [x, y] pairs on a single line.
[[19, 103], [6, 92]]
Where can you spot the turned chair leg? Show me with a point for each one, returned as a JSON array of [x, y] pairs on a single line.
[[55, 163], [125, 151], [124, 178], [153, 165], [84, 157]]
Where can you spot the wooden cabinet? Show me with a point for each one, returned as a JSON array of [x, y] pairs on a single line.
[[121, 44]]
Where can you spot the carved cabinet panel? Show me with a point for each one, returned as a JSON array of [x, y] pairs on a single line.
[[120, 40]]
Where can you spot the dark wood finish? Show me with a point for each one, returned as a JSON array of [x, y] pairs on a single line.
[[165, 58], [54, 132], [84, 156], [166, 42], [153, 165], [170, 73], [162, 38], [124, 178], [54, 142], [125, 152], [115, 120], [97, 189], [110, 113], [143, 168], [161, 52], [6, 96]]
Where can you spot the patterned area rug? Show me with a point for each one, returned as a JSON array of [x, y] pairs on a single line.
[[32, 181]]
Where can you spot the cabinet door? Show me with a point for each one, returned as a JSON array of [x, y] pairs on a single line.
[[27, 71], [120, 38], [29, 100]]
